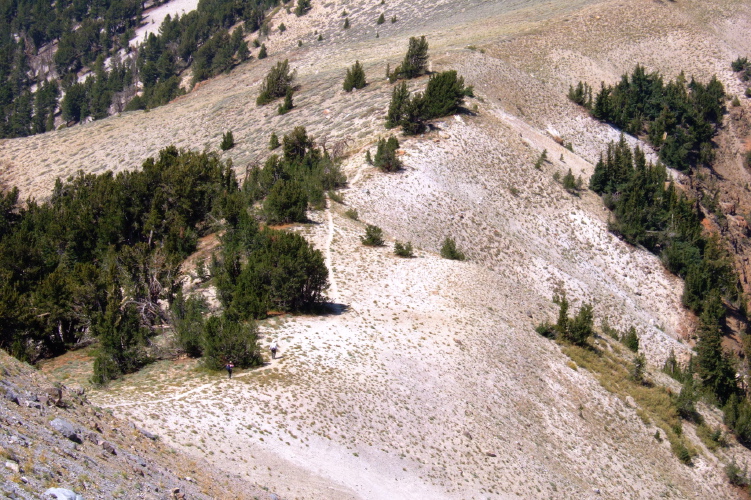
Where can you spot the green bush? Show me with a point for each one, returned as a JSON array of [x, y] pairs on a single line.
[[187, 320], [631, 340], [385, 157], [381, 19], [449, 250], [286, 202], [416, 60], [373, 236], [737, 476], [277, 83], [351, 213], [228, 340], [403, 250], [303, 6], [355, 78], [228, 141]]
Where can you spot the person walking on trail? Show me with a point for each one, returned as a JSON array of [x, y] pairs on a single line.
[[229, 366], [274, 348]]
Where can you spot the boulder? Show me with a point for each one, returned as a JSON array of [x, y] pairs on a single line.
[[109, 447], [66, 429], [148, 434], [10, 395], [62, 494]]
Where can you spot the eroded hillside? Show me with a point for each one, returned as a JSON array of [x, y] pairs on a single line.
[[430, 381]]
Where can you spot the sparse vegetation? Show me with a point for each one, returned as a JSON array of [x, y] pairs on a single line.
[[450, 251], [373, 236], [403, 249]]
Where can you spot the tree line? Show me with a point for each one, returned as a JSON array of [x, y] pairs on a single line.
[[678, 118]]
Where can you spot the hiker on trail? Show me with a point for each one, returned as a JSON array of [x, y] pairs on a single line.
[[229, 366], [274, 347]]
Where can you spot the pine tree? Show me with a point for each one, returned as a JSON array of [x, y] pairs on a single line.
[[228, 141], [276, 84], [262, 54], [713, 366], [450, 251], [287, 105], [355, 78], [385, 157], [399, 99], [346, 23], [381, 19], [274, 141], [416, 60], [303, 6], [373, 236]]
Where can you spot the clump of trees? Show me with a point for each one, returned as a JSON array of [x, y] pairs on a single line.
[[277, 84], [104, 254], [403, 249], [450, 251], [302, 8], [679, 118], [355, 78], [386, 158], [415, 61], [443, 96]]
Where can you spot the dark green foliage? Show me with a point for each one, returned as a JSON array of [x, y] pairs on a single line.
[[631, 340], [650, 211], [542, 159], [269, 270], [346, 23], [713, 366], [102, 247], [393, 19], [228, 340], [187, 319], [228, 141], [581, 94], [680, 119], [637, 370], [449, 250], [742, 66], [263, 54], [368, 158], [308, 166], [121, 341], [282, 28], [681, 452], [403, 250], [385, 157], [381, 19], [737, 476], [443, 96], [274, 141], [287, 105], [416, 60], [571, 183], [575, 330], [399, 99], [684, 403], [355, 78], [373, 236], [286, 202], [278, 82], [738, 418], [580, 328], [672, 368], [351, 213], [303, 6]]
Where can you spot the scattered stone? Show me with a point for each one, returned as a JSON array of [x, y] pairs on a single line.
[[491, 454], [55, 395], [62, 494], [66, 429], [109, 447], [148, 434], [467, 435], [24, 480], [10, 395], [273, 496], [10, 464], [93, 437]]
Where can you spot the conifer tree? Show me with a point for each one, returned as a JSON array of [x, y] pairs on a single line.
[[416, 60], [381, 19], [274, 141], [399, 99], [355, 78], [303, 6], [276, 84], [385, 157], [228, 141], [262, 54]]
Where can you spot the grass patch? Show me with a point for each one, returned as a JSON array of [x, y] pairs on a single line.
[[655, 403]]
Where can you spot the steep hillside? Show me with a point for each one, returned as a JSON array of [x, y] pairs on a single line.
[[53, 439], [429, 381]]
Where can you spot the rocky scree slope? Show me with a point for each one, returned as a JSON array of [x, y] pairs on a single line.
[[52, 439]]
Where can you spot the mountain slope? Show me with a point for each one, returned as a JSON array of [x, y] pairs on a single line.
[[431, 382]]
